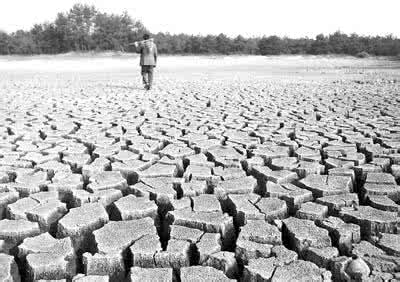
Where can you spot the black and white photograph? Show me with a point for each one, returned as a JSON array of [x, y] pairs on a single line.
[[199, 141]]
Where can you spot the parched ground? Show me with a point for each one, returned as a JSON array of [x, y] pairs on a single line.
[[249, 168]]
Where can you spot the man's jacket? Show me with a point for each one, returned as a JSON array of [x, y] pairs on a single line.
[[148, 53]]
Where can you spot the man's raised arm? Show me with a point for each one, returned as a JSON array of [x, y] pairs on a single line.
[[136, 44]]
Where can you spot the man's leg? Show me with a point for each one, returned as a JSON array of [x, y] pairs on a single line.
[[144, 78], [150, 76], [144, 75]]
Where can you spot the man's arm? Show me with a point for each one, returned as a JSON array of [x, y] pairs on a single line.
[[138, 48]]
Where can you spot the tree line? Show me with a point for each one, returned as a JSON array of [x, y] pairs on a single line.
[[336, 43], [84, 28]]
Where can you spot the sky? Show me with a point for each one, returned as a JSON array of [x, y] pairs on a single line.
[[292, 18]]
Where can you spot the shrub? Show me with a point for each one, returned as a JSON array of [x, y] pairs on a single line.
[[363, 54]]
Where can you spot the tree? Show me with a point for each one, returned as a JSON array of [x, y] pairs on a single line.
[[177, 43], [224, 45], [298, 46], [320, 45], [271, 45], [4, 43], [354, 45], [338, 42], [81, 23], [21, 42], [193, 45], [239, 44]]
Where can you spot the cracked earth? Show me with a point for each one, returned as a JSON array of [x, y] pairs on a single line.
[[249, 169]]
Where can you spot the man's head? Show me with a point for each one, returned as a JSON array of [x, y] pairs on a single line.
[[146, 36]]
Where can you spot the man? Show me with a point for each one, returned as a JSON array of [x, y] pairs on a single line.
[[148, 59]]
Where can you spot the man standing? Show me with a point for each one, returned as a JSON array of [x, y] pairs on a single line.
[[148, 59]]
